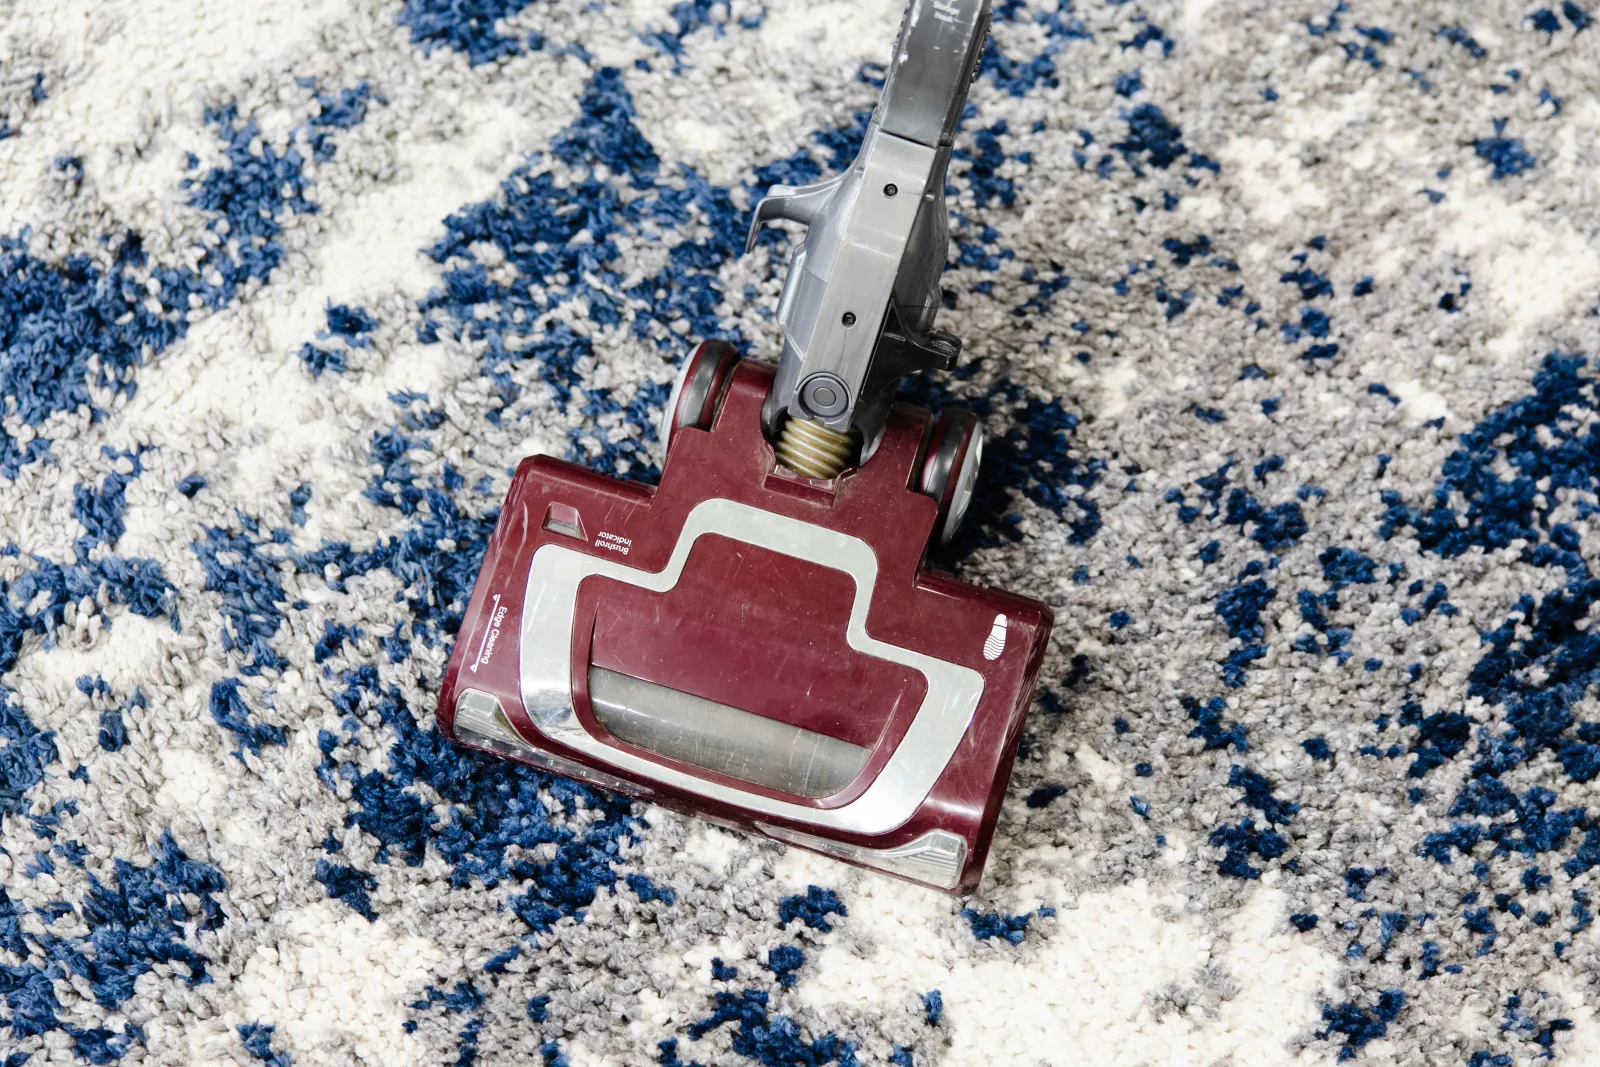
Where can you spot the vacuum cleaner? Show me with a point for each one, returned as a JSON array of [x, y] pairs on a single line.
[[759, 640]]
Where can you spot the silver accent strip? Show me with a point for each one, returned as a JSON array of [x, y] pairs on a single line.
[[941, 721], [935, 858]]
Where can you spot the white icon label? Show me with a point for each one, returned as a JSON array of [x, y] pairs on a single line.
[[995, 643], [613, 542], [497, 614]]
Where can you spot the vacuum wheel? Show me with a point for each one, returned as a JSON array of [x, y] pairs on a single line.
[[950, 468], [699, 386]]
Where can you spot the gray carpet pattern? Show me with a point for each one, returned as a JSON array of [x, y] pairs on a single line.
[[1282, 320]]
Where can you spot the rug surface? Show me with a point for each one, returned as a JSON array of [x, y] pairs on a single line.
[[1282, 318]]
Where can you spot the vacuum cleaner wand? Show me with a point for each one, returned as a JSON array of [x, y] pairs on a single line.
[[862, 288]]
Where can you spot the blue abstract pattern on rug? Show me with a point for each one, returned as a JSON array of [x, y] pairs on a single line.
[[1283, 321]]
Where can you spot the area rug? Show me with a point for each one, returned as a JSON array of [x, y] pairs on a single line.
[[1281, 315]]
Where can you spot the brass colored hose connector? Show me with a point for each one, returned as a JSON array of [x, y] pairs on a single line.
[[811, 449]]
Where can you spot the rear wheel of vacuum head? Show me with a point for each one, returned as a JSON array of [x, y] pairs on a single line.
[[950, 468], [699, 387]]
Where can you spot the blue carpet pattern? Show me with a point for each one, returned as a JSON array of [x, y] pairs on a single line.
[[1282, 317]]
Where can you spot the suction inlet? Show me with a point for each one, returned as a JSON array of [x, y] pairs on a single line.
[[723, 739]]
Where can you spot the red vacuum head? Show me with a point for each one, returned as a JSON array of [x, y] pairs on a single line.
[[759, 648]]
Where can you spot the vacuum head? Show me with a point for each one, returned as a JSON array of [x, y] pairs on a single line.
[[760, 648]]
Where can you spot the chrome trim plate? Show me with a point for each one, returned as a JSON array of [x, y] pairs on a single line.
[[906, 779], [935, 858], [480, 720]]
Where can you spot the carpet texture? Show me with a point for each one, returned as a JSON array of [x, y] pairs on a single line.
[[1282, 318]]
